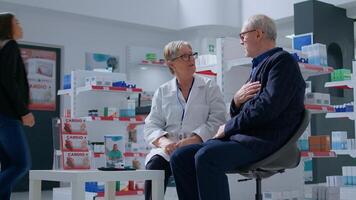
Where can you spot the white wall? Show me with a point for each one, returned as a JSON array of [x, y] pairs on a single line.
[[79, 34], [158, 13], [277, 9], [212, 12], [167, 14]]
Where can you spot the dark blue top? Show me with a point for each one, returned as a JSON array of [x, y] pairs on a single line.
[[266, 121], [14, 88], [256, 61]]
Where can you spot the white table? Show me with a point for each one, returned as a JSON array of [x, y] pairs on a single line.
[[79, 177]]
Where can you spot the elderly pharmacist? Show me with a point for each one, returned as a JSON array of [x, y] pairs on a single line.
[[186, 110]]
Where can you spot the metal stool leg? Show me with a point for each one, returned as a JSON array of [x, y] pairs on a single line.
[[258, 195]]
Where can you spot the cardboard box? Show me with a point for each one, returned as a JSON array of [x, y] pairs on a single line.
[[76, 160], [114, 151], [74, 126], [319, 143], [74, 142]]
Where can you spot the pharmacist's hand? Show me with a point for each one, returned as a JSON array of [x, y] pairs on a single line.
[[220, 133], [169, 148], [195, 139], [246, 92], [28, 120]]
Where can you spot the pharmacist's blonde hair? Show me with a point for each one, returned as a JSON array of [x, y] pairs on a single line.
[[265, 24], [171, 51]]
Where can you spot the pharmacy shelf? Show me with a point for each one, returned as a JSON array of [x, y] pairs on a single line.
[[134, 154], [131, 120], [240, 62], [108, 89], [314, 70], [154, 64], [306, 69], [351, 153], [350, 115], [207, 73], [125, 194], [315, 108], [347, 192], [348, 84], [212, 68], [318, 154], [64, 92]]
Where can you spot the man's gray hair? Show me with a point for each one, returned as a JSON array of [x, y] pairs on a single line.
[[264, 23]]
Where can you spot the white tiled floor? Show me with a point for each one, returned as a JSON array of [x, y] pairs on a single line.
[[171, 194]]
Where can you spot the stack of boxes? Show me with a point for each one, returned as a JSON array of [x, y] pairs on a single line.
[[127, 108], [317, 54], [317, 98], [101, 81], [285, 195], [339, 140], [319, 143], [346, 107], [151, 57], [134, 151], [74, 144], [325, 193], [334, 181], [303, 143], [349, 175], [300, 57], [341, 75], [308, 169]]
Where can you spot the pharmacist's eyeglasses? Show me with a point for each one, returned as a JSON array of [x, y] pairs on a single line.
[[187, 57]]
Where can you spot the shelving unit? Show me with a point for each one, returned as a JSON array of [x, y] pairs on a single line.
[[136, 120], [64, 92], [340, 84], [315, 108], [348, 84], [87, 97], [351, 153], [151, 64], [349, 115], [107, 89], [314, 70], [306, 69], [139, 70], [319, 154], [212, 68]]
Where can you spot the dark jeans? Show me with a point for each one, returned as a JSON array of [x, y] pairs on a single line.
[[157, 163], [199, 169], [14, 155]]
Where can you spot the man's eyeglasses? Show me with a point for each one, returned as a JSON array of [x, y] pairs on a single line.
[[187, 57], [242, 34]]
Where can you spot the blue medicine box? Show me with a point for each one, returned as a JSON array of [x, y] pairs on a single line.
[[66, 81]]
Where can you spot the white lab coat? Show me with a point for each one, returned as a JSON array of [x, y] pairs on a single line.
[[204, 112]]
